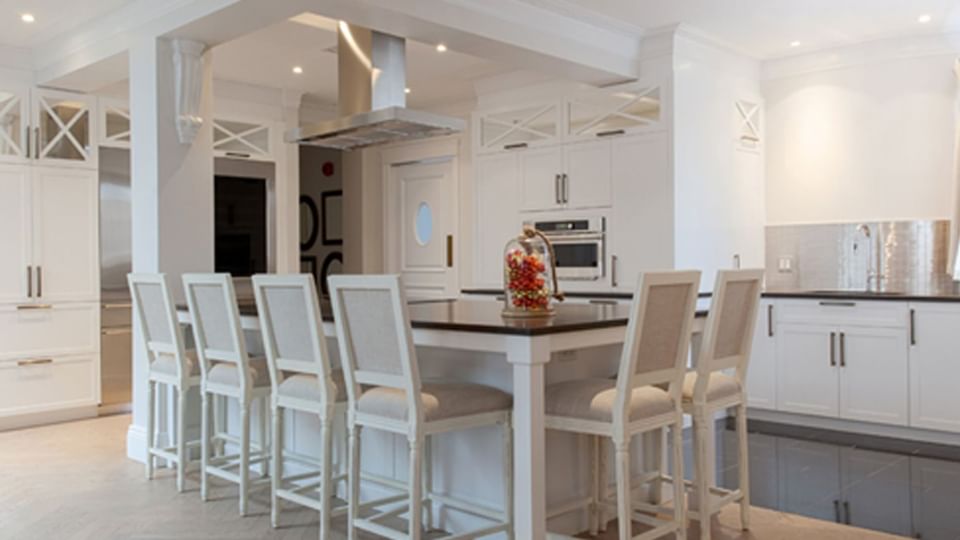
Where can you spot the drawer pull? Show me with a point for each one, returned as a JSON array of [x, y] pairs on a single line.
[[115, 331], [126, 305], [611, 133], [32, 307], [238, 155], [514, 146], [34, 362], [832, 303]]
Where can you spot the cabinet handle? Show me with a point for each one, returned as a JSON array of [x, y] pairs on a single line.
[[833, 349], [29, 282], [34, 362], [238, 155], [26, 141], [829, 303], [836, 510], [613, 270], [36, 143], [39, 282], [449, 251], [515, 146], [566, 188], [770, 320], [913, 327], [843, 349], [556, 188], [33, 307], [610, 133], [846, 509]]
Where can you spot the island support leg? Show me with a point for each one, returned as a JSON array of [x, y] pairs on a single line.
[[528, 356]]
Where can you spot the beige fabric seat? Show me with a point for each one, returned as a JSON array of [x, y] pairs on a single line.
[[166, 364], [307, 387], [593, 399], [439, 401], [720, 386], [225, 373]]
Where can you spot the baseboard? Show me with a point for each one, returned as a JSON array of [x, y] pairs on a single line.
[[47, 417], [852, 426], [137, 443]]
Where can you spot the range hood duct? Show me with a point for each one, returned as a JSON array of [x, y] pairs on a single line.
[[372, 99]]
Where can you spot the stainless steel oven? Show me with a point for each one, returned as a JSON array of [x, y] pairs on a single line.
[[579, 246]]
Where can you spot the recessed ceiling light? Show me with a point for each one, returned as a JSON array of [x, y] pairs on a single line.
[[441, 47], [297, 69], [406, 90], [27, 17], [794, 43], [924, 19]]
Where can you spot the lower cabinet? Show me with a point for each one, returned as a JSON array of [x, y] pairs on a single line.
[[934, 492], [935, 366], [42, 384], [762, 369], [807, 378]]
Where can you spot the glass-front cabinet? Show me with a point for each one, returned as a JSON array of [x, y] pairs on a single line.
[[613, 111], [14, 124], [519, 127], [242, 139], [114, 123], [63, 125]]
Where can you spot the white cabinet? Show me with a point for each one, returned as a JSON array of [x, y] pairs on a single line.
[[640, 234], [242, 139], [587, 169], [44, 384], [15, 265], [934, 366], [517, 127], [807, 379], [497, 215], [873, 374], [114, 123], [541, 179], [14, 124], [613, 111], [64, 126], [762, 369]]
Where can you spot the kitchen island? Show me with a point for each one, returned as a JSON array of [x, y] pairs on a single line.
[[469, 339]]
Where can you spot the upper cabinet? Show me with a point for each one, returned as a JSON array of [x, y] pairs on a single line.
[[242, 139], [14, 124], [613, 111], [49, 127], [114, 123], [518, 127]]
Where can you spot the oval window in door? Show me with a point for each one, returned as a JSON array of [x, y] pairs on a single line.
[[423, 225]]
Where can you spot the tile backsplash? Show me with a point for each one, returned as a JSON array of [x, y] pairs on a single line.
[[913, 256]]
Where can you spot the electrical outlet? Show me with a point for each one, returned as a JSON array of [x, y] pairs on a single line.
[[785, 264]]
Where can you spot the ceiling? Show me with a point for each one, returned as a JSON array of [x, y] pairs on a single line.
[[267, 57], [53, 18], [765, 28]]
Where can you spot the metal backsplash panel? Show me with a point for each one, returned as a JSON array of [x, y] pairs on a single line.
[[913, 256]]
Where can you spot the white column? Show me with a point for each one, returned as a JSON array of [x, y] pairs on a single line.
[[528, 356], [288, 189], [172, 190]]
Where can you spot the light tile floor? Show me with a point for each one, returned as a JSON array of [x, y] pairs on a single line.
[[74, 481]]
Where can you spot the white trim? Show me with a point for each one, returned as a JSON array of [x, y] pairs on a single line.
[[855, 426]]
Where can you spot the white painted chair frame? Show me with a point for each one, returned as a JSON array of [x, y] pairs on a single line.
[[621, 430], [703, 410], [245, 393], [415, 428], [181, 382], [315, 363]]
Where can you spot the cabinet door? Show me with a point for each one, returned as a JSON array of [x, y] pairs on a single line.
[[65, 243], [540, 178], [807, 379], [65, 128], [587, 166], [114, 123], [518, 127], [14, 125], [873, 374], [239, 139], [611, 111], [498, 216], [14, 233], [935, 491], [762, 369], [809, 478], [47, 384], [876, 490], [641, 229], [935, 367]]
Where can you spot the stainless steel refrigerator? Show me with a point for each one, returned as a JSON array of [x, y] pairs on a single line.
[[116, 359]]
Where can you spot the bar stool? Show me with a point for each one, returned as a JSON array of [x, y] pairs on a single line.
[[226, 371], [301, 380], [376, 348], [654, 353], [169, 364], [726, 345]]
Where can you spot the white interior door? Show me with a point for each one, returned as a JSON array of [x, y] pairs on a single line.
[[422, 220]]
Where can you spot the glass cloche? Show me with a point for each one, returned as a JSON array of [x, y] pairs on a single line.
[[530, 276]]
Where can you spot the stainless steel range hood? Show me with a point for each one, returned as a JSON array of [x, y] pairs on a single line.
[[371, 67]]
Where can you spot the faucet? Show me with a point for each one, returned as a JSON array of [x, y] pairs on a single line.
[[874, 260]]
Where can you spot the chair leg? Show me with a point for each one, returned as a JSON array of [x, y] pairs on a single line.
[[326, 471], [700, 480], [204, 443], [427, 482], [603, 476], [744, 459], [181, 437], [416, 459], [218, 423], [508, 476], [353, 486], [659, 461], [624, 505], [244, 472], [151, 414], [262, 416], [679, 491], [276, 464]]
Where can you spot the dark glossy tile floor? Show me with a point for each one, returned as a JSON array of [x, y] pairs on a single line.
[[891, 485]]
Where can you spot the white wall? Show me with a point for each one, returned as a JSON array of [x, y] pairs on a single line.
[[863, 133]]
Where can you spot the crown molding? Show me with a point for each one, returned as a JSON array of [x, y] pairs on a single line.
[[578, 12]]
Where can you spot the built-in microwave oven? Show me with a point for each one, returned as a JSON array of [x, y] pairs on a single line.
[[578, 245]]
